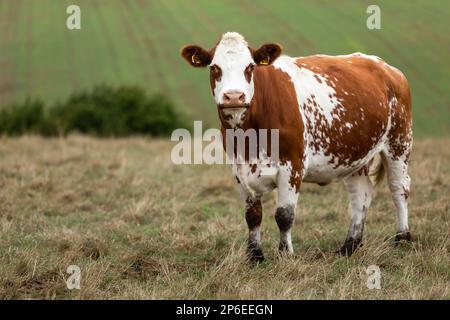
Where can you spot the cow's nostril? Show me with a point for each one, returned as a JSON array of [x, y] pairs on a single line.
[[234, 98]]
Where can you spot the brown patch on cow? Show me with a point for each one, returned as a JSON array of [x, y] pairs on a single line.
[[266, 54], [253, 213], [215, 75], [253, 216], [405, 193], [319, 80], [248, 72], [295, 180], [202, 56]]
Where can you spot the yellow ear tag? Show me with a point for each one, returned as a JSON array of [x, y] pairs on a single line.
[[265, 61], [195, 59]]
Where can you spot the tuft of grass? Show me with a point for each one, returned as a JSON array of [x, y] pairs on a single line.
[[140, 227]]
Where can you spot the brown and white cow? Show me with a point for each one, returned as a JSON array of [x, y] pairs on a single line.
[[334, 115]]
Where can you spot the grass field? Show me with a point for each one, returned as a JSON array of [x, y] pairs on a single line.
[[138, 42], [140, 227]]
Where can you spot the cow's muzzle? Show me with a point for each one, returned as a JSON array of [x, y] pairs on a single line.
[[233, 99], [223, 107]]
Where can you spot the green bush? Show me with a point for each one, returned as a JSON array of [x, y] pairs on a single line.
[[104, 111], [29, 117]]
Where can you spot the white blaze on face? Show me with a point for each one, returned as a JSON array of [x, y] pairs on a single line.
[[232, 56]]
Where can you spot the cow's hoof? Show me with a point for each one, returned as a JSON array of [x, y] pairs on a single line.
[[283, 248], [349, 247], [255, 255], [406, 236], [284, 251]]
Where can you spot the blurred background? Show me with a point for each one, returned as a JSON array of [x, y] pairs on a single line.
[[136, 44]]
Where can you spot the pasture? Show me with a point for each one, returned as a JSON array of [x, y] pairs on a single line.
[[138, 42], [140, 227]]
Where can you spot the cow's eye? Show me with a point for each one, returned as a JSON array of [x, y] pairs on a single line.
[[215, 69], [248, 72], [216, 72]]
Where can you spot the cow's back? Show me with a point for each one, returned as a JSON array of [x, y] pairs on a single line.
[[350, 105]]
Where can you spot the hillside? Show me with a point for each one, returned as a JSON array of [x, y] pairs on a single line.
[[138, 42]]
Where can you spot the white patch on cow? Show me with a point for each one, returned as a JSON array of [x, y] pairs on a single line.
[[287, 199], [232, 55], [355, 54], [359, 188], [255, 236], [256, 182], [363, 55], [399, 185], [307, 83], [287, 195]]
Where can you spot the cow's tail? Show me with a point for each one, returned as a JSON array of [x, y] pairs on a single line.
[[377, 169]]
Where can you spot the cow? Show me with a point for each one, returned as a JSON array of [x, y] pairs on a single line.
[[345, 117]]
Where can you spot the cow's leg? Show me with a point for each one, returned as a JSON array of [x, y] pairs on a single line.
[[253, 216], [399, 183], [359, 189], [288, 183]]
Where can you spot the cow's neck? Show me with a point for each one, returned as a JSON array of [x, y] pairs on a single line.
[[252, 116]]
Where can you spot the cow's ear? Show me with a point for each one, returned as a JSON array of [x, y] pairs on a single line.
[[196, 56], [267, 54]]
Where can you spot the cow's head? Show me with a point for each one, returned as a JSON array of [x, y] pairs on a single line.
[[231, 64]]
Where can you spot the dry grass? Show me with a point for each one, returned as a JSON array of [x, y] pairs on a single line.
[[141, 228]]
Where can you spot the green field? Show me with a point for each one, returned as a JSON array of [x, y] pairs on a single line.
[[138, 42]]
